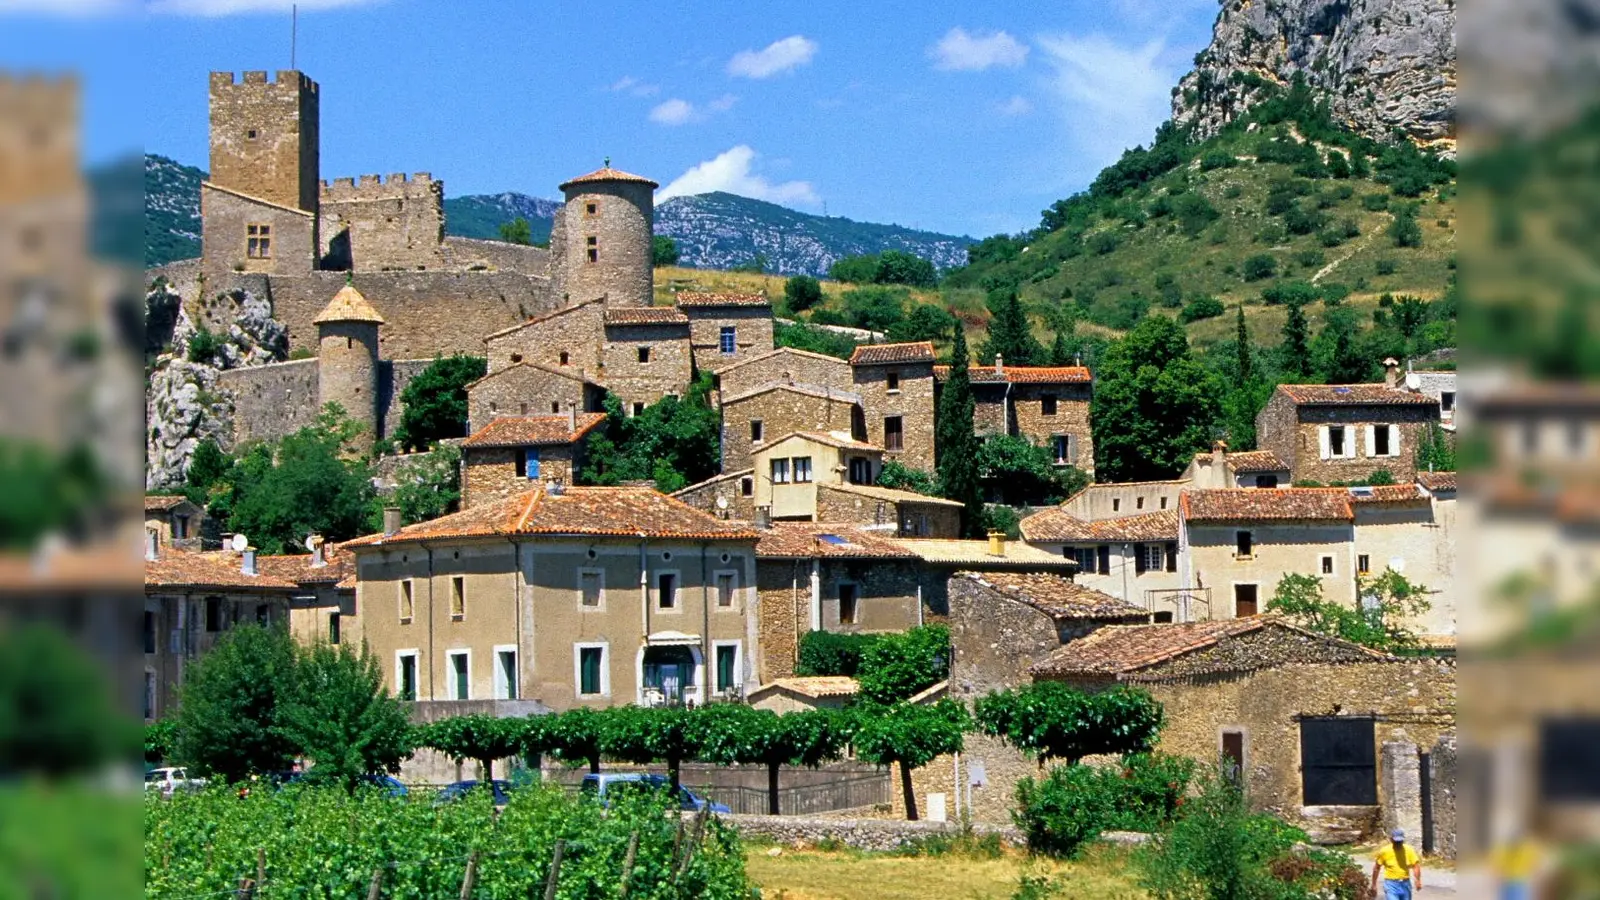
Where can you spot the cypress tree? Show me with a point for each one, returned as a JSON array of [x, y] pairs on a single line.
[[1010, 335], [954, 442], [1242, 350], [1061, 351], [1296, 348]]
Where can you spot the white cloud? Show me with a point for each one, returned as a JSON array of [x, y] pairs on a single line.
[[68, 9], [1111, 96], [233, 7], [779, 56], [731, 172], [635, 87], [723, 103], [959, 51], [672, 112], [1018, 105]]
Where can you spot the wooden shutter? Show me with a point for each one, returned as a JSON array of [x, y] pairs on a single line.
[[1322, 437], [1372, 440], [1172, 557], [1138, 559], [1394, 440]]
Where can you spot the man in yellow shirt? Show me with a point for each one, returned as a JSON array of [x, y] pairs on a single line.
[[1395, 862]]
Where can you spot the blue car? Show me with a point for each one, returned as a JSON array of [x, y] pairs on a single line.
[[501, 791], [598, 786]]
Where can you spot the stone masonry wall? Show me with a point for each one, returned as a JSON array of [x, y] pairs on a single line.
[[787, 365], [861, 834], [780, 412], [783, 587], [913, 402], [479, 255], [621, 227], [1413, 423], [752, 334], [668, 370], [886, 601], [271, 401], [1071, 417], [225, 221], [989, 409], [835, 505], [577, 331], [393, 376], [524, 390], [379, 225], [491, 472], [265, 136]]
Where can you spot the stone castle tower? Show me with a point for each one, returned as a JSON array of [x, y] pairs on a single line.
[[347, 359], [600, 244], [265, 137]]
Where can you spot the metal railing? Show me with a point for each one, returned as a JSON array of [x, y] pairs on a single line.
[[1188, 604]]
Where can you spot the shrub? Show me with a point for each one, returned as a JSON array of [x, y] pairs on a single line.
[[1104, 242], [1299, 220], [1262, 265], [832, 653], [1404, 230], [1073, 804], [1194, 213], [802, 292], [1291, 293], [897, 666], [204, 346], [1384, 266], [1201, 308], [1329, 237], [1310, 258], [899, 476], [1375, 202], [1217, 159]]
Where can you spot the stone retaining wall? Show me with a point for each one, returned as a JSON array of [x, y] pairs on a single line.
[[862, 834]]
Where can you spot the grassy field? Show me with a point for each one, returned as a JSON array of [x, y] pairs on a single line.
[[819, 875]]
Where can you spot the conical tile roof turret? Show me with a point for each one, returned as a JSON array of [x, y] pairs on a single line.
[[348, 306]]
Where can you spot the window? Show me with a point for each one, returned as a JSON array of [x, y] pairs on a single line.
[[213, 614], [747, 486], [408, 604], [1102, 559], [755, 431], [1363, 564], [591, 588], [593, 677], [505, 673], [1336, 441], [180, 527], [1447, 401], [458, 598], [1266, 481], [1085, 557], [555, 407], [250, 134], [1138, 503], [892, 381], [1244, 545], [1047, 405], [727, 667], [333, 628], [727, 339], [149, 631], [1162, 618], [149, 694], [529, 463], [894, 436], [1116, 504], [1338, 761], [1326, 564], [460, 674], [405, 679], [644, 354], [780, 471], [1382, 442], [1172, 556], [638, 409], [1233, 756], [1153, 557], [591, 208], [564, 357], [847, 604], [263, 614], [802, 470], [1567, 773], [594, 249], [516, 357], [1245, 597], [667, 590], [727, 583], [258, 241], [1063, 448], [860, 470]]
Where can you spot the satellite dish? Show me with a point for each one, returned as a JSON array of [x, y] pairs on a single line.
[[1413, 380], [313, 541], [239, 543], [722, 502]]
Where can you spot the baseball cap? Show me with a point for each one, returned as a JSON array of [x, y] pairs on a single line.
[[1399, 834]]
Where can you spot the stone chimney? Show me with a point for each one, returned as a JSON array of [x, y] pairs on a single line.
[[764, 517], [318, 554], [152, 544], [391, 521], [999, 364], [1219, 451], [247, 561], [1391, 373], [572, 418], [997, 543]]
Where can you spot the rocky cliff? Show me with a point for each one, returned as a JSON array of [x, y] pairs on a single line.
[[1386, 64]]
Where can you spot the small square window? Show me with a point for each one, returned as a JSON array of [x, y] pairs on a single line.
[[1138, 503], [644, 354], [591, 208], [1363, 564], [251, 134], [728, 340], [802, 469], [892, 381], [1447, 401], [726, 583], [1047, 404], [1244, 545], [1116, 504], [258, 244], [590, 585], [564, 358], [638, 409], [747, 486], [1327, 564], [755, 431], [667, 590], [555, 407], [894, 434], [780, 471], [848, 598]]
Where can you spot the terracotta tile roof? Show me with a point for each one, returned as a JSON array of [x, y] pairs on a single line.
[[543, 318], [781, 351], [693, 299], [1058, 525], [348, 306], [162, 502], [1121, 650], [715, 479], [533, 431], [573, 373], [976, 554], [812, 390], [1022, 374], [1388, 493], [597, 511], [1353, 394], [816, 687], [807, 540], [1249, 462], [607, 173], [1523, 399], [338, 568], [70, 570], [645, 315], [839, 439], [883, 354], [1057, 597], [890, 495], [1437, 482], [216, 569], [1266, 504]]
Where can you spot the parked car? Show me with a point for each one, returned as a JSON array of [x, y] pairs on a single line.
[[170, 779], [500, 789], [599, 786]]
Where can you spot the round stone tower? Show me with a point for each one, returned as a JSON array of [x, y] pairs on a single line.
[[347, 359], [605, 234]]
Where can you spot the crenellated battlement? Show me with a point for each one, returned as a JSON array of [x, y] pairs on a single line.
[[289, 78], [38, 86], [398, 186]]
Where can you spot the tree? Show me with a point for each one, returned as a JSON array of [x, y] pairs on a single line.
[[435, 402], [1201, 308], [833, 652], [573, 736], [516, 231], [911, 736], [160, 737], [1154, 406], [1294, 356], [874, 308], [1259, 266], [663, 251], [926, 322], [1384, 602], [802, 292], [340, 715], [1050, 720], [477, 737], [1010, 334], [1404, 230], [1061, 350], [1410, 314], [1018, 472], [954, 444], [738, 734], [207, 466], [900, 267], [899, 666], [1241, 348], [1434, 451], [641, 735], [900, 476], [57, 713], [1338, 357], [425, 488], [230, 722], [674, 442]]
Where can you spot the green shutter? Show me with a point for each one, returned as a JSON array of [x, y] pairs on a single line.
[[725, 658]]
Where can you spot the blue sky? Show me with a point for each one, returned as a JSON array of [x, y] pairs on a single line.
[[955, 117]]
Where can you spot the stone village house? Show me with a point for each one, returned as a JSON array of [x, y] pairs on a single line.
[[509, 455], [1343, 433], [1046, 405]]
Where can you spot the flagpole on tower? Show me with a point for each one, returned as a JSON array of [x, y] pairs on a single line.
[[294, 32]]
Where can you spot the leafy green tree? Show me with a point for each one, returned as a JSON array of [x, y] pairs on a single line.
[[1294, 355], [738, 734], [340, 715], [926, 322], [955, 445], [1051, 720], [435, 402], [1435, 453], [1154, 406], [1291, 293], [816, 340], [230, 723], [160, 737], [1017, 472], [1240, 407], [900, 476], [898, 666], [516, 231], [1201, 308], [911, 736], [1061, 353], [425, 488], [1409, 315], [669, 734], [1386, 601], [874, 307], [1259, 266], [674, 442], [1241, 348], [1338, 356], [1010, 333], [574, 736], [833, 652], [43, 490], [663, 251], [207, 466], [476, 737], [900, 267], [802, 292], [855, 270], [57, 715], [1404, 230]]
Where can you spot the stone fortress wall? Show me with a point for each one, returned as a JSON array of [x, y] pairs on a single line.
[[376, 224]]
